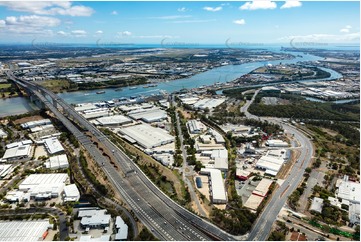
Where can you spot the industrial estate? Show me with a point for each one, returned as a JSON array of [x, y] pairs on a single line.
[[147, 143]]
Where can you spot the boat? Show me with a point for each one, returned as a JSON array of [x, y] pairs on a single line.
[[132, 88], [152, 85], [100, 92]]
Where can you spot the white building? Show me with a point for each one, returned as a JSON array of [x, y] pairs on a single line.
[[147, 136], [271, 165], [348, 190], [216, 189], [122, 229], [44, 186], [113, 120], [149, 115], [17, 153], [53, 145], [34, 230], [220, 158], [57, 162], [316, 204], [354, 213], [71, 193], [4, 170], [3, 134], [209, 103], [276, 143], [94, 218], [195, 126], [32, 124]]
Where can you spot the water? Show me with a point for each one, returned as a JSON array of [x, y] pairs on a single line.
[[220, 74], [16, 105]]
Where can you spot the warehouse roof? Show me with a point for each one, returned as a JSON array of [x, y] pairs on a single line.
[[56, 162], [116, 119], [147, 136], [4, 170], [316, 204], [262, 187], [218, 190], [50, 180], [53, 145], [253, 202], [71, 193], [23, 230], [19, 151], [348, 190], [149, 115]]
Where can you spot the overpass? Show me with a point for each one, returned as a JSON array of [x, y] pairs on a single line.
[[166, 219]]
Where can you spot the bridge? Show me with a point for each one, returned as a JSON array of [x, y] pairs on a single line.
[[166, 219]]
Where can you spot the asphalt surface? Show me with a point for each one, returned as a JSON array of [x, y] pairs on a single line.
[[263, 225], [161, 215]]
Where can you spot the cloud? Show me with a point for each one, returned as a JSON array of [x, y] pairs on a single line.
[[62, 33], [125, 33], [99, 32], [291, 4], [323, 37], [32, 24], [210, 9], [78, 33], [153, 36], [49, 8], [182, 9], [346, 29], [239, 21], [114, 13], [193, 21], [171, 17], [254, 5]]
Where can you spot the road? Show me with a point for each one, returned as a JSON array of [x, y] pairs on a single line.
[[263, 224], [161, 215]]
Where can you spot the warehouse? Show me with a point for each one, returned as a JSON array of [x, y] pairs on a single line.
[[17, 153], [20, 143], [113, 120], [348, 190], [44, 186], [24, 230], [3, 135], [94, 218], [276, 143], [57, 162], [122, 229], [354, 213], [316, 204], [242, 175], [195, 126], [4, 170], [95, 113], [71, 193], [85, 106], [53, 145], [270, 164], [220, 158], [262, 187], [208, 147], [149, 116], [217, 190], [253, 202], [147, 136], [208, 103], [33, 124]]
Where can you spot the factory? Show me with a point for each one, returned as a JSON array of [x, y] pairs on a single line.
[[35, 230], [195, 126], [208, 103], [276, 143], [18, 151], [114, 120], [348, 190], [220, 158], [53, 145], [44, 186], [94, 218], [146, 136], [217, 190], [149, 115], [253, 202], [33, 124], [57, 162], [95, 113], [258, 195], [271, 165], [71, 193]]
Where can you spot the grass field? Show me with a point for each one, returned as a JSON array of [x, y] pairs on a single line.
[[5, 85], [56, 85]]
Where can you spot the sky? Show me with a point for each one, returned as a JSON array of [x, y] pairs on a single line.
[[181, 23]]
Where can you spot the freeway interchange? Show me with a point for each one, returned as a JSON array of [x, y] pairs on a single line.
[[166, 219]]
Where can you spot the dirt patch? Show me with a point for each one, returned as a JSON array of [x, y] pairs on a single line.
[[282, 174], [28, 119], [329, 131]]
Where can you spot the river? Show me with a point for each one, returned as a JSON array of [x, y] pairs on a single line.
[[220, 74]]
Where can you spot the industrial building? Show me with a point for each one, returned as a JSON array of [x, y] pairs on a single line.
[[4, 170], [242, 175], [57, 162], [104, 237], [17, 153], [35, 230], [208, 103], [271, 165], [44, 186], [195, 126], [354, 213], [53, 145], [20, 143], [71, 193], [149, 115], [316, 204], [95, 113], [113, 120], [33, 124], [146, 136], [17, 196], [217, 190], [276, 143], [262, 187], [348, 190], [3, 134], [220, 158], [121, 228], [253, 202], [217, 137], [94, 218]]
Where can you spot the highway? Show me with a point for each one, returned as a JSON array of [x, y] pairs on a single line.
[[262, 227], [161, 215]]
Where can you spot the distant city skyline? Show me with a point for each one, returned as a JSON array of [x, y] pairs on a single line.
[[181, 23]]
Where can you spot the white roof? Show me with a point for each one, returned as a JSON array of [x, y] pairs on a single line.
[[104, 237], [3, 133], [56, 162], [20, 151], [4, 170], [195, 126], [270, 163], [222, 153], [43, 180], [150, 115], [23, 230], [208, 103], [116, 119], [53, 145], [85, 106], [348, 190], [317, 204], [20, 143], [218, 190], [71, 191], [147, 136]]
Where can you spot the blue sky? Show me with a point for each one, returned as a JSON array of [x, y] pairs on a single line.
[[192, 23]]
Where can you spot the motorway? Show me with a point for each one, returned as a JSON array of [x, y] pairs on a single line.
[[166, 219], [263, 225]]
